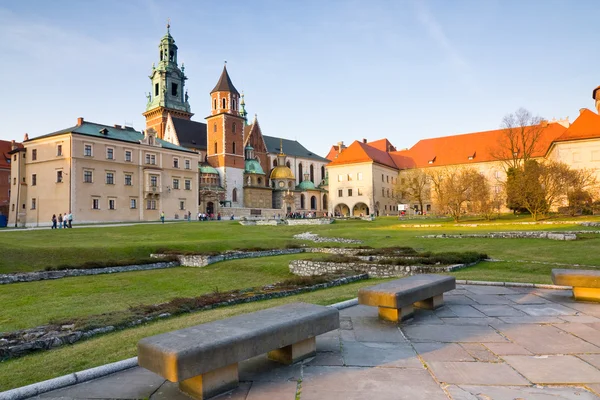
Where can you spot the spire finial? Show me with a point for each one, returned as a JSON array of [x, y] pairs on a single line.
[[280, 143], [168, 24]]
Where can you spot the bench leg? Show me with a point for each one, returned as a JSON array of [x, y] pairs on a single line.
[[396, 315], [212, 383], [586, 294], [294, 352], [431, 303]]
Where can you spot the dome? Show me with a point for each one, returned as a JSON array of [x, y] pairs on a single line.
[[253, 167], [282, 172], [207, 169], [306, 185]]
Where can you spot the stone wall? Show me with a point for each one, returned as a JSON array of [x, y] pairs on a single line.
[[199, 260], [310, 221], [566, 235], [319, 239], [312, 268]]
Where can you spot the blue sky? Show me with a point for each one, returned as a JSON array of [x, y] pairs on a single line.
[[315, 71]]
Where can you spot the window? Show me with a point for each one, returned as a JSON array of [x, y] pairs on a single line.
[[110, 178], [224, 103], [151, 204], [340, 178], [87, 150], [13, 207], [173, 89], [150, 159], [33, 154], [215, 147], [175, 162], [388, 193], [59, 176], [14, 181], [382, 192], [349, 178], [233, 147], [497, 174], [156, 86], [127, 155], [188, 164], [153, 180], [215, 104], [95, 204], [33, 179], [359, 176], [128, 181], [340, 193], [111, 204], [33, 204], [132, 203], [87, 176], [110, 153], [233, 128], [59, 150], [182, 205], [188, 184], [359, 191], [234, 195], [175, 183], [387, 178], [382, 179], [349, 192], [15, 157]]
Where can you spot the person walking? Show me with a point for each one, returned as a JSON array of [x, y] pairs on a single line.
[[65, 221], [70, 218], [59, 221], [189, 216], [162, 217], [53, 221]]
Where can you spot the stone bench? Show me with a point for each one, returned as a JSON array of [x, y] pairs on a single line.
[[396, 299], [586, 284], [204, 358]]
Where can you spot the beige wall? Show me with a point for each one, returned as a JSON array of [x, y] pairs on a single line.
[[76, 195], [578, 154]]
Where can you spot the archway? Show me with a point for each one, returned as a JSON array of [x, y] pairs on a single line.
[[360, 209], [313, 203], [210, 207], [341, 210], [302, 202]]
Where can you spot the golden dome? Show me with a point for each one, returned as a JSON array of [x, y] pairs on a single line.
[[282, 172]]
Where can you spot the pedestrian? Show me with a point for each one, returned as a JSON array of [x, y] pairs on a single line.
[[70, 217], [59, 221], [65, 221], [162, 217], [53, 221], [218, 216], [189, 215]]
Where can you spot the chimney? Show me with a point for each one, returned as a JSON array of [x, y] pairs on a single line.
[[118, 126], [544, 123], [79, 121], [596, 96], [26, 137], [364, 140], [581, 110], [340, 147], [13, 145]]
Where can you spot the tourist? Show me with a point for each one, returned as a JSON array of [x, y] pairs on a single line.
[[70, 218], [65, 221], [189, 216], [162, 217], [59, 221], [53, 221], [232, 217], [218, 216]]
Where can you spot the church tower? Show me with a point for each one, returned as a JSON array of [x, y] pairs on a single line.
[[167, 95], [225, 138]]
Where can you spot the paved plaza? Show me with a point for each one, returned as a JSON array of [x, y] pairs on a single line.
[[487, 342]]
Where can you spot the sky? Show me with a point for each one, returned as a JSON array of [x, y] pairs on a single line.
[[317, 71]]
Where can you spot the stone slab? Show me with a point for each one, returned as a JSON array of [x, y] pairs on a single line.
[[407, 291], [262, 369], [435, 351], [351, 383], [466, 311], [452, 333], [499, 311], [545, 310], [466, 392], [170, 391], [272, 390], [526, 298], [582, 319], [364, 354], [133, 383], [470, 321], [427, 317], [490, 299], [594, 388], [480, 352], [505, 349], [326, 359], [328, 343], [586, 308], [489, 289], [592, 359], [558, 370], [582, 331], [555, 341], [373, 329], [175, 355], [457, 299], [532, 320], [476, 373]]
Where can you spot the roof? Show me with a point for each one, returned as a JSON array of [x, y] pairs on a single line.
[[359, 152], [290, 148], [306, 185], [333, 153], [586, 126], [225, 84], [5, 149], [253, 167], [282, 172], [191, 134], [206, 168], [382, 144], [126, 134], [470, 148]]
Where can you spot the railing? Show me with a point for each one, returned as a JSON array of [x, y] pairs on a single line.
[[153, 189]]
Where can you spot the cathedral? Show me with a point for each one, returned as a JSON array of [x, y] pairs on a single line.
[[242, 171]]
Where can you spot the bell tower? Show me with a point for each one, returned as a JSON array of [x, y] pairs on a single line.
[[167, 94], [225, 136]]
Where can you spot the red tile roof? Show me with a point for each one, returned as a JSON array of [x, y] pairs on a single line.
[[333, 153], [586, 126], [5, 147], [382, 144], [359, 152]]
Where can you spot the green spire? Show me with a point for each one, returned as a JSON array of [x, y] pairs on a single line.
[[243, 112]]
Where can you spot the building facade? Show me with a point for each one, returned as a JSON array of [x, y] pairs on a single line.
[[101, 173]]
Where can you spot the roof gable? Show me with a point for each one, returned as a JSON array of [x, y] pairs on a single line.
[[359, 152], [254, 137], [190, 134], [586, 126], [382, 144]]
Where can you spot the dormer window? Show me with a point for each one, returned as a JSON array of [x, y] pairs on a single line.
[[472, 156], [431, 161]]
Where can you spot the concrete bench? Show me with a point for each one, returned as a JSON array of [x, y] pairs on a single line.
[[204, 358], [586, 284], [396, 299]]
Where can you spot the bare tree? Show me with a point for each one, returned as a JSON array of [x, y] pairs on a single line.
[[521, 132], [413, 186], [459, 189]]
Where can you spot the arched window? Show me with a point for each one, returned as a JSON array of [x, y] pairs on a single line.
[[288, 164], [290, 185], [233, 128], [234, 195], [233, 104], [171, 55], [273, 184], [300, 177], [274, 163], [313, 203], [302, 201], [160, 55], [224, 103], [325, 202], [259, 181], [215, 147], [215, 104], [312, 173], [215, 127], [233, 147], [322, 172]]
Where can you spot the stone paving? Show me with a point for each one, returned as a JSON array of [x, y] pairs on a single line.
[[487, 342]]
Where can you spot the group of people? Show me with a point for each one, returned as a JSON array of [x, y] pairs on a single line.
[[62, 221], [205, 217]]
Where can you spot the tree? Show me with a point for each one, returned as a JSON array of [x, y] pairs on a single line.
[[459, 189], [413, 186], [521, 132]]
